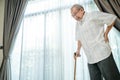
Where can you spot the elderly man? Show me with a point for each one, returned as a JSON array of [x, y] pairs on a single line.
[[91, 36]]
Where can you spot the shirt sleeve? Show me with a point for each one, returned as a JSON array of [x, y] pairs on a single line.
[[106, 18], [77, 32]]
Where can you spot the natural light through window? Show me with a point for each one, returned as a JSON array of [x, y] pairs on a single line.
[[45, 44]]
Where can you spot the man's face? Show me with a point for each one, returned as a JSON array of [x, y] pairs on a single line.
[[77, 14]]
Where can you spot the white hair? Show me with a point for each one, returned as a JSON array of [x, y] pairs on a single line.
[[77, 6]]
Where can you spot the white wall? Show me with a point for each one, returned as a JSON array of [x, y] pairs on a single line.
[[1, 26]]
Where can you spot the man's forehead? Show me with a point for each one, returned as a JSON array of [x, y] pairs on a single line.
[[75, 9]]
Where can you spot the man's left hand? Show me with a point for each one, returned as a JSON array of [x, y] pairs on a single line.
[[106, 37]]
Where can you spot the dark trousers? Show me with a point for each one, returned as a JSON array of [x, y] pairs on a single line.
[[106, 68]]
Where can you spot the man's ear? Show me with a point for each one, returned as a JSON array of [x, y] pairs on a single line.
[[83, 11]]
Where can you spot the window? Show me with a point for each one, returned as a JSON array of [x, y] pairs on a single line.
[[45, 44]]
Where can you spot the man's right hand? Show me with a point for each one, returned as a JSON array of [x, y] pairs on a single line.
[[77, 54]]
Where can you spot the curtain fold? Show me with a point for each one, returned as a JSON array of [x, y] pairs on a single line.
[[13, 14], [110, 6]]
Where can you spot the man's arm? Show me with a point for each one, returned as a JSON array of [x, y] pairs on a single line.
[[109, 27], [78, 48]]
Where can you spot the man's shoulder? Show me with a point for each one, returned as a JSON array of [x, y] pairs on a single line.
[[94, 12]]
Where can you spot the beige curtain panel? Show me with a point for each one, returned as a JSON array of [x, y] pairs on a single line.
[[14, 12]]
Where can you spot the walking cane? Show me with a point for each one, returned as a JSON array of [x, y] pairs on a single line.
[[75, 66]]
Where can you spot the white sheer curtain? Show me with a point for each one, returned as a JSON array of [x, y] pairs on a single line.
[[45, 44]]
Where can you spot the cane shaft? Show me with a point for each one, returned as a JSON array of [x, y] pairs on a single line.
[[75, 67]]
